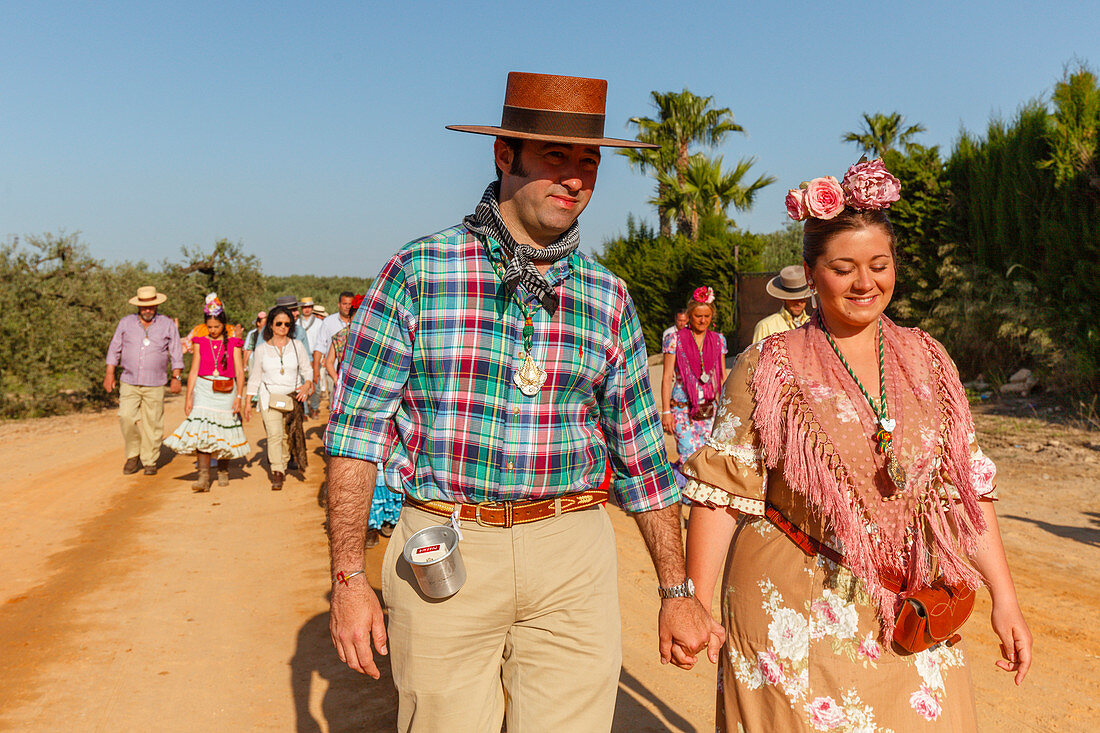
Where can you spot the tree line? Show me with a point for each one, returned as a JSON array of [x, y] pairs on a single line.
[[59, 307], [999, 240]]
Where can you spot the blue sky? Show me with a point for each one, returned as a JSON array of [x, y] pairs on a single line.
[[313, 133]]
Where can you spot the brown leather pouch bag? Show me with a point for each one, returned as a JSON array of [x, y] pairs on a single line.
[[932, 614], [222, 385]]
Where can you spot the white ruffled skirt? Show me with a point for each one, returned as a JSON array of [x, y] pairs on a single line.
[[212, 426]]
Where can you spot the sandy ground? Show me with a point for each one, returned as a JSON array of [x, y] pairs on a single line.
[[128, 603]]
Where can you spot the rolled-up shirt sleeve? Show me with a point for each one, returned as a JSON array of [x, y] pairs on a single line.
[[377, 361], [643, 478], [114, 350]]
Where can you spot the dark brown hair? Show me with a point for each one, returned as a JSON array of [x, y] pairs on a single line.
[[818, 232], [515, 144], [269, 333]]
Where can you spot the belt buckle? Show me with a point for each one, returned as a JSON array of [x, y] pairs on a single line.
[[484, 523]]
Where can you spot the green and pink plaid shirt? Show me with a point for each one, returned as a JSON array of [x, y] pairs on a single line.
[[427, 382]]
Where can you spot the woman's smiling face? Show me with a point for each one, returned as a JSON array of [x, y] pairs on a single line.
[[854, 278]]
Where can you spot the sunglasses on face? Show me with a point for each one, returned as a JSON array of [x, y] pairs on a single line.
[[281, 324]]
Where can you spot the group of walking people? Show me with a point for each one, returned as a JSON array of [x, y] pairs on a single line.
[[494, 373]]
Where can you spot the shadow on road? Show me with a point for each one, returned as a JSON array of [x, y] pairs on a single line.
[[352, 702], [1086, 535], [631, 716]]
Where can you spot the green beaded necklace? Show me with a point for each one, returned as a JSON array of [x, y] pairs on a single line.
[[884, 436]]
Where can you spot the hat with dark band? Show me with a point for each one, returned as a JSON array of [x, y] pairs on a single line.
[[564, 109], [789, 284]]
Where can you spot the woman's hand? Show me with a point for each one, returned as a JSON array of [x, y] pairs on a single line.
[[303, 392], [188, 403], [668, 422], [1008, 623], [247, 413]]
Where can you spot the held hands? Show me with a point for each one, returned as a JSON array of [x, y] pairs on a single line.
[[355, 621], [1008, 623], [685, 628]]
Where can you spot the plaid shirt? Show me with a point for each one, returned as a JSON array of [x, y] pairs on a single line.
[[427, 382]]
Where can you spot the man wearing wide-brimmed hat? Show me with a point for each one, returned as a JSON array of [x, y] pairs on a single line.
[[498, 370], [145, 345], [790, 287]]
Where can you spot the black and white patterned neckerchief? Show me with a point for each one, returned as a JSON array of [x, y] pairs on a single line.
[[486, 221]]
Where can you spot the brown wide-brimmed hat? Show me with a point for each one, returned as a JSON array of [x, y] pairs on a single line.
[[147, 295], [789, 284], [564, 109]]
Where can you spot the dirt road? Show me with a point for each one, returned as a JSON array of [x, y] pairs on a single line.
[[129, 604]]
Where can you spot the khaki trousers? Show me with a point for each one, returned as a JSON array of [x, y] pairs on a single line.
[[533, 636], [141, 415], [278, 444]]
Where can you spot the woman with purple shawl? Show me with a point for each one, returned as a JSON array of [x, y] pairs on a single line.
[[694, 371]]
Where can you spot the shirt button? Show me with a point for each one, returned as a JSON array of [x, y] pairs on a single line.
[[511, 465], [515, 410]]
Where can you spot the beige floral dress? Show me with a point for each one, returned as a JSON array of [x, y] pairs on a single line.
[[805, 650]]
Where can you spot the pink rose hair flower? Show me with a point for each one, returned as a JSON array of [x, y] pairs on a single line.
[[824, 197], [703, 295], [868, 185], [796, 204]]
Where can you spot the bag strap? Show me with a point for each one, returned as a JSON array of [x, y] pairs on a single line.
[[813, 546]]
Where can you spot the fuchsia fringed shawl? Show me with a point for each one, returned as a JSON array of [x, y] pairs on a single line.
[[690, 364], [812, 419]]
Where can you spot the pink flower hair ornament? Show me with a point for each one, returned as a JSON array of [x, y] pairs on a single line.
[[866, 186], [703, 295]]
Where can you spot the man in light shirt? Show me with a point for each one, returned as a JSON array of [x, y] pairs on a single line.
[[309, 322], [329, 328], [790, 287], [145, 344]]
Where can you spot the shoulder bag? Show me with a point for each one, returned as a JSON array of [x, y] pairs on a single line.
[[219, 385], [929, 615], [280, 401]]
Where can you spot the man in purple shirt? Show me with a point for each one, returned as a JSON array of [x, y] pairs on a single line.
[[144, 344]]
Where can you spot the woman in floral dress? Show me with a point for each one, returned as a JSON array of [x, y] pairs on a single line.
[[858, 432], [695, 366]]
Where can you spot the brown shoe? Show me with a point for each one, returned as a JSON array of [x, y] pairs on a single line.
[[386, 530], [132, 465], [150, 470], [372, 538], [277, 478], [202, 483]]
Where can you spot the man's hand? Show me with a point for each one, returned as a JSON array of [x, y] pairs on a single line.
[[109, 383], [355, 621], [684, 628], [174, 385]]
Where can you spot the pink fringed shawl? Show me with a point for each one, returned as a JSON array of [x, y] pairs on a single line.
[[812, 419]]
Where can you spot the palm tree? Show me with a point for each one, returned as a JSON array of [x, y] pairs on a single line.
[[707, 189], [683, 119], [882, 133]]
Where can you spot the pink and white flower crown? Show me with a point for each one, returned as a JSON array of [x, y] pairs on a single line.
[[866, 186], [703, 295]]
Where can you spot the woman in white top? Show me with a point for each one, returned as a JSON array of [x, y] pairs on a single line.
[[280, 367]]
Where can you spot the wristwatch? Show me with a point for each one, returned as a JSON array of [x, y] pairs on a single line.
[[684, 590]]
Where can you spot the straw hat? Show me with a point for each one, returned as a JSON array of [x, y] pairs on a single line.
[[789, 284], [147, 295], [320, 310], [305, 301], [564, 109]]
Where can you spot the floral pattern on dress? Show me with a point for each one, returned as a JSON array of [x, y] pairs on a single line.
[[690, 434]]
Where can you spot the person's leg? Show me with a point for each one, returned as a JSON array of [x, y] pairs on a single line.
[[129, 410], [202, 483], [277, 448], [152, 424], [445, 654], [564, 653]]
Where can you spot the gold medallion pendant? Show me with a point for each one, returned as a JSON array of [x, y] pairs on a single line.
[[530, 377]]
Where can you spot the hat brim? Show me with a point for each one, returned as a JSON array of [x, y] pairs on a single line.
[[775, 289], [603, 142], [161, 297]]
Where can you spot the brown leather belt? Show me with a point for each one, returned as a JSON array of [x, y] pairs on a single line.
[[509, 513], [677, 403], [812, 546]]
